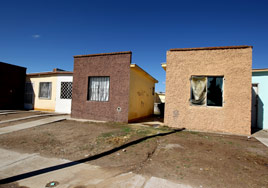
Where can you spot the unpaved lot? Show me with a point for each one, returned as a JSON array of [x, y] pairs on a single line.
[[197, 159]]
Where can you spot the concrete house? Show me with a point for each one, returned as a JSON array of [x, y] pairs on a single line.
[[108, 87], [209, 89], [260, 98], [49, 91], [12, 81]]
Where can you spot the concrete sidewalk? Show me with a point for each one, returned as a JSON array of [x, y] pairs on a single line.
[[28, 117], [262, 136], [33, 170], [30, 124], [14, 112]]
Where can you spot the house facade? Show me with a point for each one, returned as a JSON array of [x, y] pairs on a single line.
[[49, 91], [209, 89], [12, 81], [260, 98], [108, 87]]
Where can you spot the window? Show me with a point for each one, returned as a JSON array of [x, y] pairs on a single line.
[[207, 90], [28, 93], [98, 88], [45, 90], [66, 90]]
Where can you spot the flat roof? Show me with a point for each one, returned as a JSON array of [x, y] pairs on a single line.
[[211, 48], [146, 73], [260, 70], [49, 73], [12, 65], [103, 54]]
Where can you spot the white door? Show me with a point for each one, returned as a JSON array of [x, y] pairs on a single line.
[[64, 94]]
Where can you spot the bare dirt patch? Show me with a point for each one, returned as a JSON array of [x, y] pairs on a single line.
[[198, 159]]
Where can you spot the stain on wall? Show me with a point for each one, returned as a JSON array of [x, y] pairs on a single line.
[[141, 100]]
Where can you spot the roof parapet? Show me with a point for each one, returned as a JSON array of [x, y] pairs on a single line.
[[211, 48], [103, 54]]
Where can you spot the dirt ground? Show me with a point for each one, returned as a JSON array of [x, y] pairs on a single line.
[[197, 159]]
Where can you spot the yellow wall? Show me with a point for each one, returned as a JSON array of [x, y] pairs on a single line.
[[43, 104], [141, 98]]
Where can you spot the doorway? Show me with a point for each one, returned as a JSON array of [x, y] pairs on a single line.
[[254, 107]]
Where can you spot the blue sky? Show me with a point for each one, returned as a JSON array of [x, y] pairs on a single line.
[[44, 34]]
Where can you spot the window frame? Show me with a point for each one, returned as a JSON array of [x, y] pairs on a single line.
[[45, 98], [88, 87], [207, 76]]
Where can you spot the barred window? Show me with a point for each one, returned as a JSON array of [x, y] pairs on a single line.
[[66, 90], [28, 93], [207, 90], [98, 88], [45, 90]]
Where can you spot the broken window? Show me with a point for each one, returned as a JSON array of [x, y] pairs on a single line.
[[66, 90], [207, 90], [98, 88], [45, 90]]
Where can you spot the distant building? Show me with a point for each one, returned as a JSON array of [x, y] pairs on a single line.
[[49, 91], [159, 97], [12, 81], [108, 87], [260, 98], [209, 89]]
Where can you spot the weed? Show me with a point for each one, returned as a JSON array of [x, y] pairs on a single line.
[[143, 132], [106, 135], [126, 129]]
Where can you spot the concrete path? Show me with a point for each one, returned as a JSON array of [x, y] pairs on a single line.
[[262, 136], [28, 117], [14, 112], [27, 125], [7, 111], [33, 170]]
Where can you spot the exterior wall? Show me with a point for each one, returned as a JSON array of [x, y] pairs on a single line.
[[114, 65], [63, 105], [141, 98], [12, 82], [235, 65], [43, 104], [261, 78], [160, 98]]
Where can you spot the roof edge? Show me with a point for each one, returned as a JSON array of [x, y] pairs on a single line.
[[103, 54], [260, 70], [146, 73], [49, 73], [12, 65], [211, 48]]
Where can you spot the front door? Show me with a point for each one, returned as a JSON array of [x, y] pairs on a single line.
[[29, 96], [254, 106]]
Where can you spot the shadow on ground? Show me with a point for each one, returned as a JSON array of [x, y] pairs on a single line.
[[91, 158]]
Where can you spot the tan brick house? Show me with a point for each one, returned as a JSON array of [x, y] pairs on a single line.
[[209, 89]]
